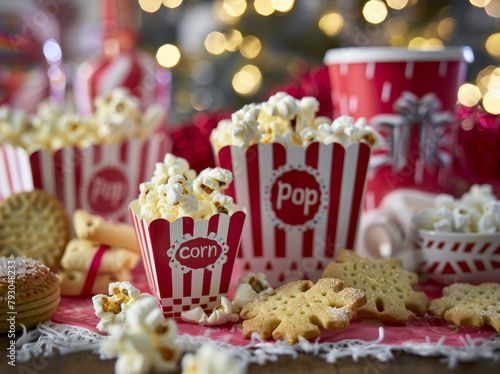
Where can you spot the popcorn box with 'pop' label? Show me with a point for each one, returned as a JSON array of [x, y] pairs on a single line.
[[302, 204], [101, 179], [188, 262]]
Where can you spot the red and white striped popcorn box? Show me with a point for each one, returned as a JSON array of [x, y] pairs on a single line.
[[189, 263], [101, 179], [303, 204], [458, 257], [15, 171]]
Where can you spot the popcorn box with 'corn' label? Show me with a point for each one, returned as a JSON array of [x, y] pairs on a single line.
[[101, 179], [303, 204], [188, 262]]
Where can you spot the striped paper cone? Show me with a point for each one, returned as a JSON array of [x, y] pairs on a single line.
[[457, 257], [188, 263], [99, 179], [302, 204], [15, 171]]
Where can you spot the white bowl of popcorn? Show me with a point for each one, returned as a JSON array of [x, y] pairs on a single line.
[[302, 180], [93, 163], [189, 234], [458, 240]]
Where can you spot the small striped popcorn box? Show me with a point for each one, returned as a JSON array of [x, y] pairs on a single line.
[[458, 257], [303, 204], [101, 179], [189, 263]]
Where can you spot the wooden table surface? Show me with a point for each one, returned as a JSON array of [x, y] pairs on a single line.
[[402, 363]]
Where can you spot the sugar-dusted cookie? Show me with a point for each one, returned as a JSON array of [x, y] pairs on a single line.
[[34, 224], [97, 229], [80, 253], [388, 288], [35, 295], [468, 305], [298, 308]]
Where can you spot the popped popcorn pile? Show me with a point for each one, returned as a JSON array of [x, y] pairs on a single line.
[[117, 117], [477, 211], [175, 191], [144, 340], [289, 121]]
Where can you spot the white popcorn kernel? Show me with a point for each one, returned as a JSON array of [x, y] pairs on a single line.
[[486, 224], [112, 309], [492, 209], [445, 200], [208, 360], [220, 315], [461, 219], [425, 219], [250, 287], [244, 130], [223, 204]]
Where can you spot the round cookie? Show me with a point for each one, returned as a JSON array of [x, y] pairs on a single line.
[[27, 288], [34, 224]]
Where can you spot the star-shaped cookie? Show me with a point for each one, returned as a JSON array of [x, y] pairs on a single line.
[[468, 305], [298, 308], [387, 287]]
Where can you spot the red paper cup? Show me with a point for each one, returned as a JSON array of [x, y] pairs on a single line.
[[409, 96], [458, 257], [101, 179], [302, 204], [188, 263]]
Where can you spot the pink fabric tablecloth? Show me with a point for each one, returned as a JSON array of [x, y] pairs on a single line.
[[78, 311]]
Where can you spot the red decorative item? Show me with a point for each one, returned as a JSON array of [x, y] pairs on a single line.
[[410, 97], [477, 157], [121, 64]]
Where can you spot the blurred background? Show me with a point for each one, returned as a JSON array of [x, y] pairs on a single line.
[[221, 54]]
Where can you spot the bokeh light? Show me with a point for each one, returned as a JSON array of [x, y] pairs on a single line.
[[375, 11], [172, 3], [397, 4], [248, 80], [235, 8], [446, 28], [491, 104], [483, 79], [168, 55], [215, 43], [233, 40], [150, 6], [493, 8], [331, 24], [469, 95], [52, 51], [250, 46], [263, 7], [480, 3], [220, 12], [426, 43], [396, 31], [282, 5], [493, 45]]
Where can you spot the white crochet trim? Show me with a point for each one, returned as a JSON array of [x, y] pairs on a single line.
[[50, 338]]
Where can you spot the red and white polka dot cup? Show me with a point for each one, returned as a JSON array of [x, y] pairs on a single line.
[[409, 96]]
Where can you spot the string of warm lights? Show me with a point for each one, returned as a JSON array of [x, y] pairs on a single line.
[[388, 14]]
